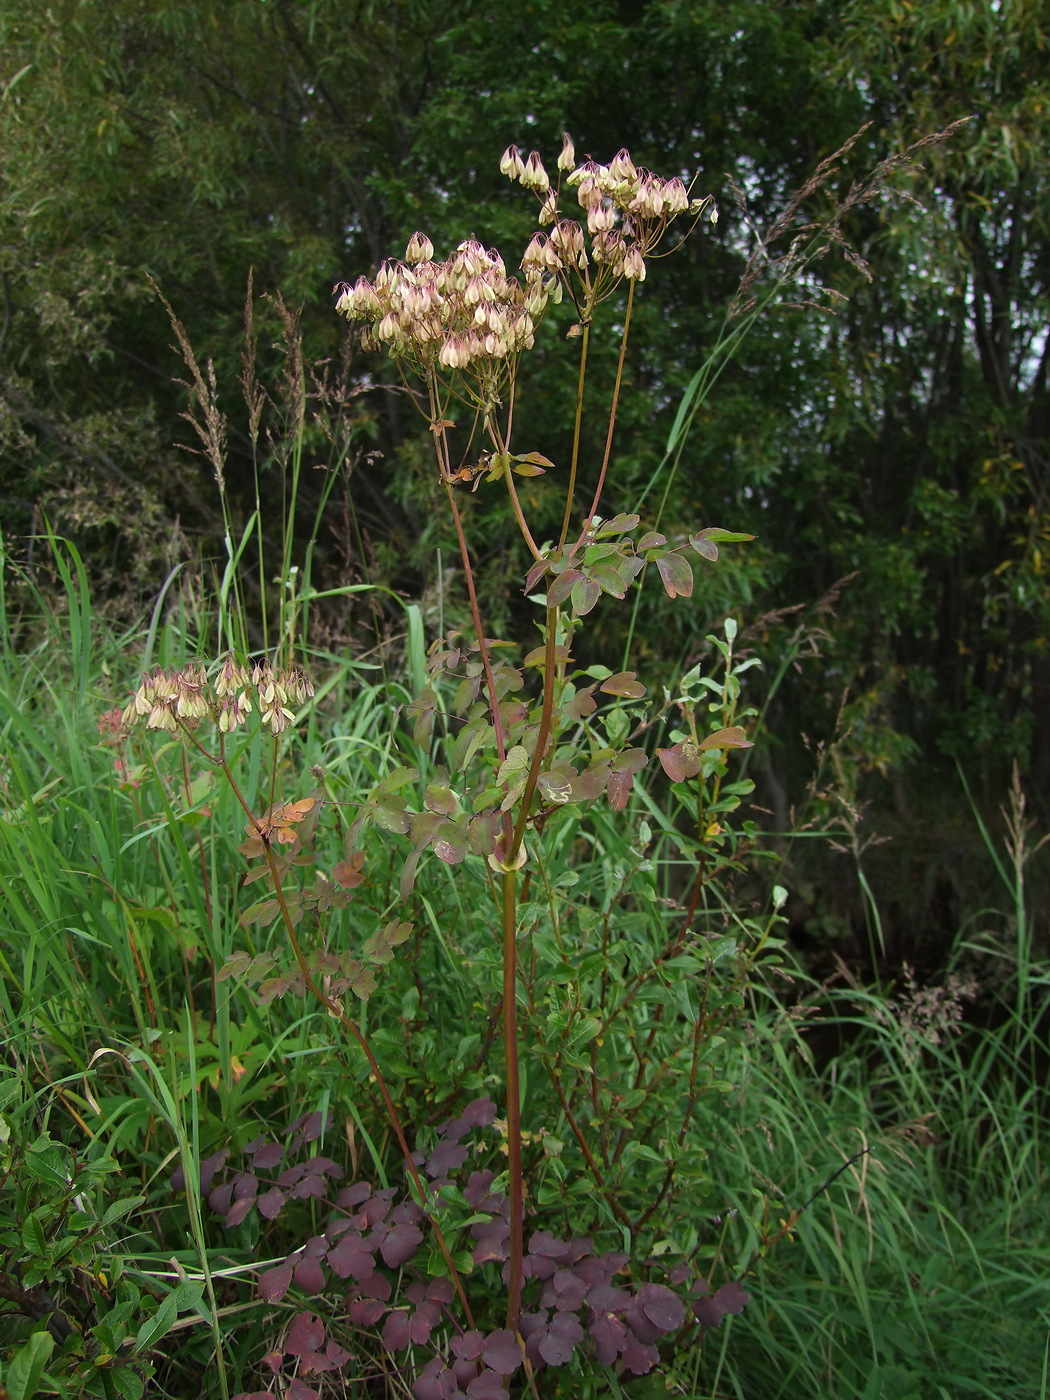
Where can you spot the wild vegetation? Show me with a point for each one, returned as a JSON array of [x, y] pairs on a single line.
[[520, 850]]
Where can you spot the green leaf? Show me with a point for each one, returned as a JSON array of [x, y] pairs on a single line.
[[618, 525], [676, 574], [624, 683], [33, 1237], [27, 1366], [585, 593], [722, 536], [732, 738], [158, 1325]]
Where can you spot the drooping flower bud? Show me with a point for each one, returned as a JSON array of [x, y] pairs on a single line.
[[567, 159], [512, 164], [420, 249], [634, 264], [622, 167], [535, 176]]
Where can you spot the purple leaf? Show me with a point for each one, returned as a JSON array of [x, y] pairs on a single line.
[[220, 1198], [400, 1245], [664, 1309], [238, 1212], [209, 1167], [275, 1283], [477, 1191], [487, 1386], [355, 1195], [480, 1113], [366, 1312], [376, 1285], [378, 1208], [568, 1291], [309, 1186], [445, 1158], [461, 1374], [563, 586], [606, 1298], [246, 1187], [468, 1346], [312, 1126], [352, 1258], [427, 1385], [609, 1335], [270, 1203], [732, 1298], [562, 1337], [397, 1331], [637, 1358], [325, 1166], [425, 1318], [707, 1312], [306, 1334], [299, 1390], [268, 1155], [309, 1276], [502, 1352], [545, 1244]]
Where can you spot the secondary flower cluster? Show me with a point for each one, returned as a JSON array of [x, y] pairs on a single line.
[[627, 211], [167, 699], [463, 312]]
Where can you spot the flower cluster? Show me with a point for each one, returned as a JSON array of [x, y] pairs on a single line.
[[168, 699], [465, 313], [627, 211]]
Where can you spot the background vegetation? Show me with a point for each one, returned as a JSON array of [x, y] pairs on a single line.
[[884, 436]]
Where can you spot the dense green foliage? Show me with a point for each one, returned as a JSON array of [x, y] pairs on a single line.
[[917, 1267]]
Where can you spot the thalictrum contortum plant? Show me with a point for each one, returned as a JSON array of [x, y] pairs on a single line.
[[461, 326]]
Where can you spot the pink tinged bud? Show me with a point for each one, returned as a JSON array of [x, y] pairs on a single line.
[[622, 167], [535, 177], [474, 257], [675, 196], [420, 249], [535, 299], [387, 328], [231, 678], [589, 194], [454, 353], [540, 255], [161, 717], [512, 164], [549, 209], [567, 159], [601, 219], [634, 265]]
